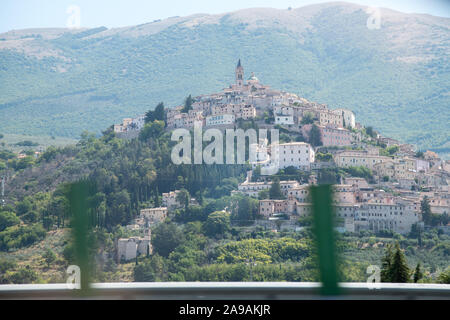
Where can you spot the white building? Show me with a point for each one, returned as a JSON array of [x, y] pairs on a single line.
[[222, 119], [284, 120], [129, 248], [397, 217], [253, 188], [296, 154]]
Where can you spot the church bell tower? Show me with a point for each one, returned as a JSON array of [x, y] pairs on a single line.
[[239, 74]]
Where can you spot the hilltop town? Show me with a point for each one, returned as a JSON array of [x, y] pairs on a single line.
[[379, 183]]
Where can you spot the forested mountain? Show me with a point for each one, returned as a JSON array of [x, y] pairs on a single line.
[[60, 82]]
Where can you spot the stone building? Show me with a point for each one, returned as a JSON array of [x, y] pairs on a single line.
[[154, 215], [129, 248]]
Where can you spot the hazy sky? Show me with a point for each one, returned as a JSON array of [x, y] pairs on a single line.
[[21, 14]]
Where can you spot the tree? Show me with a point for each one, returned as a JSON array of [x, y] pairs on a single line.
[[308, 118], [165, 238], [444, 277], [157, 202], [199, 197], [183, 198], [24, 276], [324, 156], [370, 132], [217, 223], [399, 268], [315, 136], [152, 130], [417, 273], [23, 206], [8, 219], [149, 116], [327, 176], [157, 114], [151, 269], [256, 173], [386, 264], [49, 257], [425, 209], [275, 190], [247, 210], [263, 194], [144, 272], [188, 104]]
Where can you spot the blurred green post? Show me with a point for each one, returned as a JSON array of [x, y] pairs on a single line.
[[325, 238], [79, 208]]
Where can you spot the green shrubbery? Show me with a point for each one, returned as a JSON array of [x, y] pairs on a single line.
[[20, 236]]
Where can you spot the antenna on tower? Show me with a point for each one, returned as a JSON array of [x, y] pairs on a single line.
[[2, 200], [4, 177]]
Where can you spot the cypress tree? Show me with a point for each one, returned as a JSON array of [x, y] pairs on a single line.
[[386, 263], [425, 210], [275, 190], [157, 202], [315, 136], [188, 104], [418, 273], [159, 113], [399, 268]]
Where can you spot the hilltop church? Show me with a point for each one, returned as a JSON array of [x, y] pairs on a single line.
[[252, 85]]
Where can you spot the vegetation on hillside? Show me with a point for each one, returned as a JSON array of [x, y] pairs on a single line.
[[214, 238], [95, 81]]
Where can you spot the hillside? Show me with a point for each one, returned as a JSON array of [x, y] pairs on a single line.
[[59, 82]]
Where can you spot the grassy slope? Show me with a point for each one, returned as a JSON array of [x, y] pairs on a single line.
[[44, 141]]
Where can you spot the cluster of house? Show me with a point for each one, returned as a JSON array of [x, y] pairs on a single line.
[[241, 100], [247, 99], [363, 206], [132, 247], [130, 124], [360, 205]]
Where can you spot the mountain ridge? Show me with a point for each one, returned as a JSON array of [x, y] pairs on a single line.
[[386, 76]]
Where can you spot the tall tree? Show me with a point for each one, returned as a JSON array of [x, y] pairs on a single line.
[[157, 202], [444, 277], [386, 263], [315, 136], [399, 269], [418, 274], [149, 116], [188, 104], [183, 198], [275, 190], [159, 112], [370, 132], [425, 209]]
